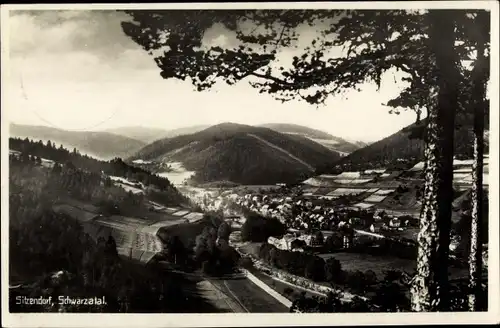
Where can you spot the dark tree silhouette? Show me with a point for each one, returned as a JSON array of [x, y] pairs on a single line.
[[419, 43], [477, 36]]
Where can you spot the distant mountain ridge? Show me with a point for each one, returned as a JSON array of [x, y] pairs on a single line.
[[332, 142], [185, 130], [144, 134], [103, 145], [242, 154], [148, 134]]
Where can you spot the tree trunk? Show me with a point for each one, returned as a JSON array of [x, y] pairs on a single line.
[[430, 286], [480, 75]]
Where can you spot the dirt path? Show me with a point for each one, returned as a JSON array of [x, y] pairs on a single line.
[[213, 294], [310, 167]]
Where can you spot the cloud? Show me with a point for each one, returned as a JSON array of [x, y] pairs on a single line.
[[99, 32], [78, 70], [72, 46]]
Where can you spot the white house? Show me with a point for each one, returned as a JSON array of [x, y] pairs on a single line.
[[306, 238], [283, 243], [395, 223], [278, 243]]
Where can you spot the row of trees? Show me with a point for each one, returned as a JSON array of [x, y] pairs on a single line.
[[258, 228], [429, 46], [209, 251], [213, 253], [297, 263], [65, 181], [388, 295]]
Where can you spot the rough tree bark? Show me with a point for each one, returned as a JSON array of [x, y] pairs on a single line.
[[480, 75], [430, 286]]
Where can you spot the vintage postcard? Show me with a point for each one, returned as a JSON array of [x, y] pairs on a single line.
[[249, 164]]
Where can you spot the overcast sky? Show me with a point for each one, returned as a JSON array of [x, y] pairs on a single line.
[[77, 70]]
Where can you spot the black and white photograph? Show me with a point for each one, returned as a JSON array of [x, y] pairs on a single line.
[[235, 159]]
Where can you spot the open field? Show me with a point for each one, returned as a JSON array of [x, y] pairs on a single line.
[[139, 235], [76, 212], [379, 264]]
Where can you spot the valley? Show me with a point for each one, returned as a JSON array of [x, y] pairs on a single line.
[[187, 159], [346, 230]]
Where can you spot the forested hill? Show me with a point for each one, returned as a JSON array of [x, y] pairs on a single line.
[[242, 154], [403, 149], [115, 167], [103, 145]]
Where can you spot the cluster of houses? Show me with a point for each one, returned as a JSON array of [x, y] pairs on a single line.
[[297, 242], [303, 214], [292, 242]]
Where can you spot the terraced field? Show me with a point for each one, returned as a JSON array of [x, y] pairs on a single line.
[[135, 237]]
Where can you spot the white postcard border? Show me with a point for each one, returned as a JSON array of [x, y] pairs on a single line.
[[226, 320]]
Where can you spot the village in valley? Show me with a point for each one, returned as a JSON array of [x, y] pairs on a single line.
[[350, 231], [344, 211]]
